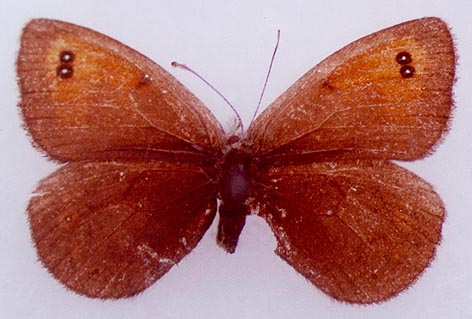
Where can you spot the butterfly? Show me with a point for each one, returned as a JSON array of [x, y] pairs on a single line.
[[145, 162]]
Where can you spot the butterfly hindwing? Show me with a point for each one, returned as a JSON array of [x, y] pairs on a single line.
[[361, 231], [111, 229], [388, 95], [87, 96]]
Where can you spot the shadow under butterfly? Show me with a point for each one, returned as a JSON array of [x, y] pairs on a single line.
[[145, 161]]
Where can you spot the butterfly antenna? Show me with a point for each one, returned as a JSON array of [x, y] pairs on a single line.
[[183, 66], [267, 77]]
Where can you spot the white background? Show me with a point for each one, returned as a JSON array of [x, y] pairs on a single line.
[[230, 43]]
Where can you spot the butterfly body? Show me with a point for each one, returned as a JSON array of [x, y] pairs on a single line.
[[144, 162], [236, 181]]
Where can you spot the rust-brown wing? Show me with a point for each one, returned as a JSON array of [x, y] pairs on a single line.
[[111, 229], [388, 95], [361, 231], [86, 96]]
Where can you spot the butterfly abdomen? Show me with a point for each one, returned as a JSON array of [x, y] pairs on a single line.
[[235, 190]]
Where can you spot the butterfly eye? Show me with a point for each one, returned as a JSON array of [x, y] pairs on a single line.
[[65, 71], [407, 71], [66, 57], [403, 58], [233, 139]]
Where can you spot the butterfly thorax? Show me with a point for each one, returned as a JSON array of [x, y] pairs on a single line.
[[235, 190]]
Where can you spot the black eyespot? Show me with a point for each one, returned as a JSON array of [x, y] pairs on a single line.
[[67, 57], [403, 58], [65, 71], [407, 71]]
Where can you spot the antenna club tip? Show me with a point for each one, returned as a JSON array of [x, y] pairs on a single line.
[[180, 65]]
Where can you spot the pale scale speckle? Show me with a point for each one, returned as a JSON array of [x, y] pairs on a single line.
[[183, 240], [283, 212], [147, 253]]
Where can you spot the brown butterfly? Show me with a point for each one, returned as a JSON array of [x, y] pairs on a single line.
[[145, 162]]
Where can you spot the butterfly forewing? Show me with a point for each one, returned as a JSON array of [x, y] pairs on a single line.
[[111, 229], [86, 96], [387, 95], [362, 231]]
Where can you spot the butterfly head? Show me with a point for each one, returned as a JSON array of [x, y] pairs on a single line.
[[233, 139]]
